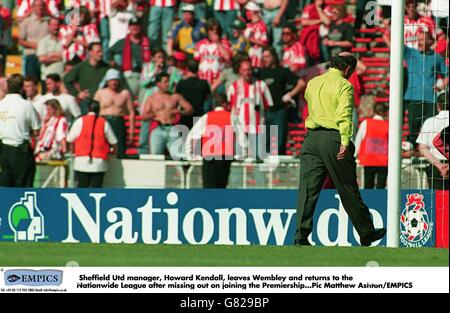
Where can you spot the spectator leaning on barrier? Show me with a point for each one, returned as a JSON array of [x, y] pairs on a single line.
[[216, 134], [437, 172], [371, 145], [92, 137], [18, 120]]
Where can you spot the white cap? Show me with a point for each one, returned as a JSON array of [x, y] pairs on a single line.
[[188, 8], [251, 6], [111, 74]]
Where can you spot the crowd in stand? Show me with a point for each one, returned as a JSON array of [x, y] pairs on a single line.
[[166, 62]]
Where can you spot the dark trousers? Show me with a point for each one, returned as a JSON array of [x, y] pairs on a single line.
[[215, 173], [418, 112], [89, 180], [32, 66], [370, 172], [435, 179], [279, 119], [3, 56], [84, 106], [118, 126], [17, 166], [317, 159], [360, 13]]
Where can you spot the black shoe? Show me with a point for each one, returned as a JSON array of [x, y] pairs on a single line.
[[377, 234], [302, 242]]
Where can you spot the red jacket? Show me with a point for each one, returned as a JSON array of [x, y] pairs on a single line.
[[218, 138], [84, 145], [375, 145]]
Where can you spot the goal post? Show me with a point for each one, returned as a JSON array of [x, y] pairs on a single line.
[[395, 124]]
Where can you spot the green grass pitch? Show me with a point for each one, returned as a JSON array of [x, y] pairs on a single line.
[[59, 254]]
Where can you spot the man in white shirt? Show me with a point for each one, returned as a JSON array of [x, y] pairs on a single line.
[[68, 102], [438, 171], [49, 51], [31, 89], [17, 120], [118, 22]]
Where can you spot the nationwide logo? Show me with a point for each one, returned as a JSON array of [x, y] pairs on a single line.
[[33, 278], [415, 224], [26, 220]]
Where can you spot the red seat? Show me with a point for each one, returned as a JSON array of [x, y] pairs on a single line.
[[370, 30], [381, 50]]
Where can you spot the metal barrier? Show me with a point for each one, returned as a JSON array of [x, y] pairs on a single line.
[[52, 174], [243, 175]]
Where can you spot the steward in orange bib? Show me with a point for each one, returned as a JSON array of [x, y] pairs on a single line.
[[372, 141], [216, 133], [92, 137]]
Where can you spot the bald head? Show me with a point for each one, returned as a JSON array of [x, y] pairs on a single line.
[[345, 54], [345, 62]]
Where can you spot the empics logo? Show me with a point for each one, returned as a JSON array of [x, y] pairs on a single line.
[[26, 220], [415, 224], [33, 278]]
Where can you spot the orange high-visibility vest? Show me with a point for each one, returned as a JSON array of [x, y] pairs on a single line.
[[218, 138], [84, 145], [374, 147]]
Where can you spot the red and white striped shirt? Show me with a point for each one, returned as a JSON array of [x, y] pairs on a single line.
[[211, 60], [88, 33], [294, 57], [90, 4], [256, 31], [25, 7], [412, 27], [225, 5], [105, 8], [162, 3], [244, 99]]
